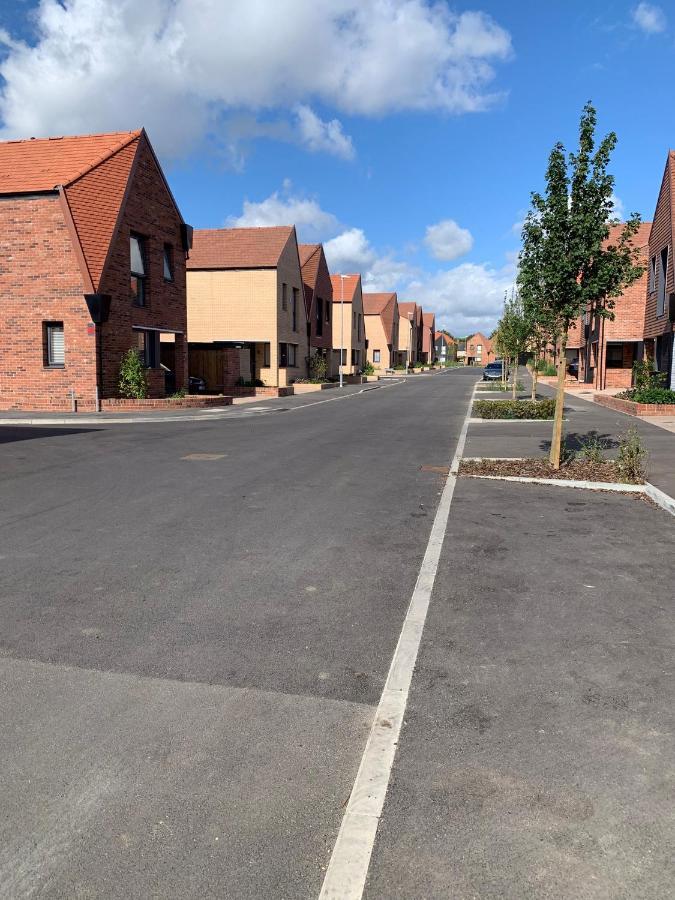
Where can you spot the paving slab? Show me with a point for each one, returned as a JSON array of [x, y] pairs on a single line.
[[537, 758]]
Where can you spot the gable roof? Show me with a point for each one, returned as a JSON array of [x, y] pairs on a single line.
[[441, 335], [428, 319], [406, 308], [385, 306], [310, 260], [41, 164], [350, 283], [239, 248], [640, 240]]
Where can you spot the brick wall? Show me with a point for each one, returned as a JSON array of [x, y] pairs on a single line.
[[149, 211], [40, 281], [661, 236]]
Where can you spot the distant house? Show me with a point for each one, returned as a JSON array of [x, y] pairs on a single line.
[[349, 330], [407, 334], [428, 331], [245, 293], [605, 350], [479, 350], [420, 334], [445, 347], [381, 319], [318, 290], [89, 229], [659, 330]]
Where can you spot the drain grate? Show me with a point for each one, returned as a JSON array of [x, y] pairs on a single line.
[[440, 470], [204, 456]]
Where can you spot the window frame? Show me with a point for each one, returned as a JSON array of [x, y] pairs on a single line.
[[652, 275], [295, 296], [611, 363], [284, 296], [661, 302], [140, 296], [167, 263], [377, 357], [150, 352], [319, 317], [47, 328]]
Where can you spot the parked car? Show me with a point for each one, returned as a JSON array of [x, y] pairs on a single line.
[[573, 368], [493, 371]]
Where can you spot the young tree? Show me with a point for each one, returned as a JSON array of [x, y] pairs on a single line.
[[566, 264], [513, 335]]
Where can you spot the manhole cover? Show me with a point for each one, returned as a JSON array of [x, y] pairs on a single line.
[[204, 456], [441, 470]]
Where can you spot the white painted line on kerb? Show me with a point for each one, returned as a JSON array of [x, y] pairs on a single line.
[[346, 874]]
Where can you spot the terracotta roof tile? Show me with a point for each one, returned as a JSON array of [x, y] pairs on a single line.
[[406, 308], [383, 305], [238, 248], [350, 282], [40, 164]]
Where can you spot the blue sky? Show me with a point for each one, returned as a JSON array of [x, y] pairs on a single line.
[[405, 134]]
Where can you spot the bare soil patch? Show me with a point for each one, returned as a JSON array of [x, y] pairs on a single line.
[[574, 470]]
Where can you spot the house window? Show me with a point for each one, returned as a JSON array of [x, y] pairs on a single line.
[[360, 329], [319, 316], [139, 288], [287, 355], [266, 355], [328, 305], [294, 311], [284, 296], [376, 355], [147, 344], [353, 357], [663, 272], [614, 358], [168, 262], [54, 346], [353, 320], [652, 275]]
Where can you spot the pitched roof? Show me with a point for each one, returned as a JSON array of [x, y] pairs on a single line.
[[238, 248], [407, 308], [444, 337], [40, 164], [385, 306], [641, 238], [428, 318], [310, 258], [350, 283]]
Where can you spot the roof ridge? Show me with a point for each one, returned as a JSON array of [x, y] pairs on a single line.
[[131, 136]]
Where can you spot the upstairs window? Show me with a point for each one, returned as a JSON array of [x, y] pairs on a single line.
[[319, 316], [327, 311], [663, 273], [294, 311], [139, 288], [168, 262], [55, 351], [284, 296], [376, 355]]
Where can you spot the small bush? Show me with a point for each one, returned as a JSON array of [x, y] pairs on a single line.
[[368, 368], [645, 378], [418, 364], [499, 386], [545, 368], [133, 381], [400, 368], [514, 409], [593, 448], [178, 395], [318, 368], [658, 395], [242, 382], [632, 457]]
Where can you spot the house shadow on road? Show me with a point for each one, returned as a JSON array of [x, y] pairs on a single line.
[[11, 433], [577, 440]]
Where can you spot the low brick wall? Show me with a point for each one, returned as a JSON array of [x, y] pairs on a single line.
[[261, 391], [635, 409], [308, 388], [123, 404]]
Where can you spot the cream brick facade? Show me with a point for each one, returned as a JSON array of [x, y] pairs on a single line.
[[246, 305], [352, 327]]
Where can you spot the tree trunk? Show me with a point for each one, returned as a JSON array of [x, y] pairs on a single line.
[[515, 375], [534, 379], [556, 442]]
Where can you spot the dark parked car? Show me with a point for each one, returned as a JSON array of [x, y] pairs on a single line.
[[493, 371], [573, 368], [195, 385]]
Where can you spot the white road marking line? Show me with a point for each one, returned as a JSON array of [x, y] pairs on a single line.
[[346, 874]]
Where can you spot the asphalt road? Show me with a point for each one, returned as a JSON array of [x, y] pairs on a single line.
[[197, 621]]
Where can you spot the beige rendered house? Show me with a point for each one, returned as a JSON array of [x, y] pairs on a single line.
[[407, 334], [245, 293], [381, 317], [428, 331], [319, 304], [349, 330]]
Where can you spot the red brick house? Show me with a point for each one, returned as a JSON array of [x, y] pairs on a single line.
[[659, 329], [381, 318], [88, 225], [428, 331], [607, 348], [479, 350], [318, 290]]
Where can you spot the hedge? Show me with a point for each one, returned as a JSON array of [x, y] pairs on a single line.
[[514, 409]]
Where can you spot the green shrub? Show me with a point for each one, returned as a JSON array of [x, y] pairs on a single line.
[[593, 448], [514, 409], [318, 368], [645, 378], [499, 386], [368, 368], [400, 368], [178, 395], [650, 395], [631, 457], [133, 381], [546, 368], [418, 364]]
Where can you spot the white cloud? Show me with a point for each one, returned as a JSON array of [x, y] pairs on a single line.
[[285, 208], [650, 18], [182, 67], [318, 135], [618, 209], [349, 252], [447, 241]]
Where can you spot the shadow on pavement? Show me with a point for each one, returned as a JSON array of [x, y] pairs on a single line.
[[10, 433]]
